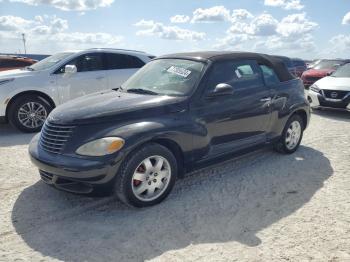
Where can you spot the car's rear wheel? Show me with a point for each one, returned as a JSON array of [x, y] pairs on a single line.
[[147, 176], [291, 136], [28, 113]]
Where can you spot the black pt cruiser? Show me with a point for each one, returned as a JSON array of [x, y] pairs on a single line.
[[176, 113]]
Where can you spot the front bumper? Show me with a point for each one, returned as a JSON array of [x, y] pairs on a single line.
[[317, 100], [72, 173]]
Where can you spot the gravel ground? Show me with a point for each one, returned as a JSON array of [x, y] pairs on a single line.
[[260, 207]]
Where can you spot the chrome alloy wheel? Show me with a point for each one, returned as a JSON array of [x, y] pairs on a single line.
[[293, 135], [32, 115], [151, 178]]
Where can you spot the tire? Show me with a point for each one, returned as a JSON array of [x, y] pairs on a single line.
[[29, 103], [126, 186], [288, 143]]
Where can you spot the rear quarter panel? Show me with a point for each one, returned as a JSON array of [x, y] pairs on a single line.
[[288, 97]]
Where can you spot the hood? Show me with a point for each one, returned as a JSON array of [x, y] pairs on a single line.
[[16, 73], [318, 72], [113, 105], [334, 83]]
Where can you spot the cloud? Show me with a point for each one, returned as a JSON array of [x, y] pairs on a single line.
[[87, 38], [279, 43], [13, 23], [51, 31], [263, 25], [338, 47], [346, 19], [235, 40], [285, 4], [341, 43], [179, 19], [264, 33], [69, 5], [295, 25], [209, 15], [240, 15], [151, 28]]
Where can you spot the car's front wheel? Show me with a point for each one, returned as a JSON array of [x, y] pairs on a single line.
[[147, 176], [28, 113], [291, 136]]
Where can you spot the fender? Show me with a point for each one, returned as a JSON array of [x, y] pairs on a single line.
[[174, 129]]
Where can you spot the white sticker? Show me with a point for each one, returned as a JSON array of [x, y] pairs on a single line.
[[179, 71]]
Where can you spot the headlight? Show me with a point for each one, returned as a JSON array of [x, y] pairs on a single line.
[[101, 147], [315, 88], [5, 81]]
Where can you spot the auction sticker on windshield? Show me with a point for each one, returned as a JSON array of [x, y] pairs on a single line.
[[179, 71]]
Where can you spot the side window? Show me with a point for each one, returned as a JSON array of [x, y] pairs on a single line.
[[239, 74], [270, 76], [89, 62], [85, 63], [121, 61], [135, 62]]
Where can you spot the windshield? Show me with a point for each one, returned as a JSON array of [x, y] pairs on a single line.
[[173, 77], [343, 71], [49, 61], [327, 64]]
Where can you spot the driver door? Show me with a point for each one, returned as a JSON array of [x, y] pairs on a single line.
[[89, 78], [239, 120]]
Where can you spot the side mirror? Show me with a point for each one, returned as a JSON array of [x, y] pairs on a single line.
[[70, 69], [330, 73], [221, 90]]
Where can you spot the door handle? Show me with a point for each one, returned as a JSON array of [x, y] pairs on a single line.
[[100, 77], [266, 99]]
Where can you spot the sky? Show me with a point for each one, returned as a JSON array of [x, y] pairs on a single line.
[[298, 28]]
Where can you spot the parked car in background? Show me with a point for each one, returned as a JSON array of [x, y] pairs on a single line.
[[332, 91], [312, 63], [176, 114], [308, 63], [321, 69], [28, 95], [289, 64], [299, 66], [8, 62]]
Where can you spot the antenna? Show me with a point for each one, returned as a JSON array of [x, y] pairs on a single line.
[[24, 43]]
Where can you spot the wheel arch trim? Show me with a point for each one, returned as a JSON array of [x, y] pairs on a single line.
[[40, 94]]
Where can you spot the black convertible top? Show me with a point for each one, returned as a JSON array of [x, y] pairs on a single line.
[[275, 62]]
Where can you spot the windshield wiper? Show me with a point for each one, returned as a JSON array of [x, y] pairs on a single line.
[[141, 91]]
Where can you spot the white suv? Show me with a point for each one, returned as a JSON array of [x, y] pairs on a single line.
[[28, 95]]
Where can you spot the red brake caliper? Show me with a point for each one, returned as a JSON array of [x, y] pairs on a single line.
[[140, 169]]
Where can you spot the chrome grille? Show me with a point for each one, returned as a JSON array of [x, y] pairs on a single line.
[[53, 137], [335, 94]]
